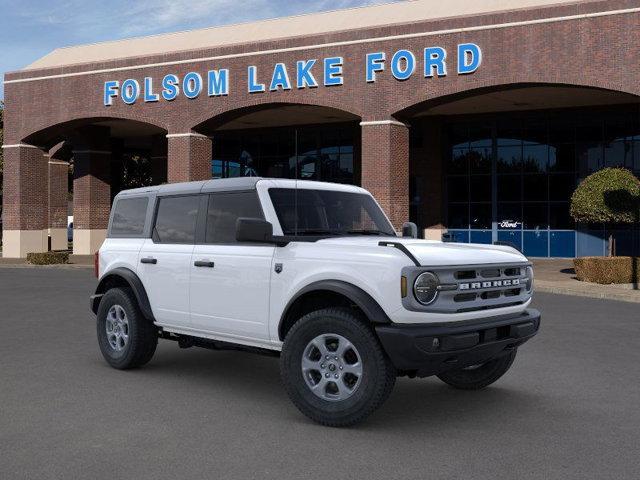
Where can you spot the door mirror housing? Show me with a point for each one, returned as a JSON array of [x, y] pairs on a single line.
[[409, 230], [254, 230]]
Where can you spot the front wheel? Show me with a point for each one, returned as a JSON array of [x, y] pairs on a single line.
[[480, 376], [334, 368]]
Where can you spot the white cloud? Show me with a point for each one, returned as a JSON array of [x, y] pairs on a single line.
[[122, 18]]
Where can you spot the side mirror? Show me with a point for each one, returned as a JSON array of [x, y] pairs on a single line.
[[254, 230], [409, 230]]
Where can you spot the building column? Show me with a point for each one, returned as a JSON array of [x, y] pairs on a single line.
[[91, 188], [58, 191], [158, 159], [385, 167], [25, 211], [189, 157]]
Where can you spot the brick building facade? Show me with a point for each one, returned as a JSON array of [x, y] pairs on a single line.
[[407, 78]]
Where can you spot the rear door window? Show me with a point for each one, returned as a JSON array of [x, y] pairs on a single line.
[[129, 217], [176, 219], [223, 211]]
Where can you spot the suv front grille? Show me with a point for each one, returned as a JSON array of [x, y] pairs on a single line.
[[465, 289]]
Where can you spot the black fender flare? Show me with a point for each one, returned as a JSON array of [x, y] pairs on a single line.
[[133, 281], [365, 302]]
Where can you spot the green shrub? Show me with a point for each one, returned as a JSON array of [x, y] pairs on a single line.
[[48, 258], [607, 270], [611, 195]]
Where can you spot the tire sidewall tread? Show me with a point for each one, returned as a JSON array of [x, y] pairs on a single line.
[[378, 377]]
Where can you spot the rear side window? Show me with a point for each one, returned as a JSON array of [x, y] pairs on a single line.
[[176, 219], [129, 216], [223, 211]]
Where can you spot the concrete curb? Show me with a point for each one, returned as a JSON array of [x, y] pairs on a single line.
[[64, 266], [588, 290]]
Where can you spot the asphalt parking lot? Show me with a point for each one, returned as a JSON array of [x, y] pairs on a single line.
[[567, 409]]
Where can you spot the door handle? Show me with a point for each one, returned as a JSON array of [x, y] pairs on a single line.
[[203, 263], [149, 260]]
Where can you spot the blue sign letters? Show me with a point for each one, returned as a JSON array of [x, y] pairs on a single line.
[[431, 62]]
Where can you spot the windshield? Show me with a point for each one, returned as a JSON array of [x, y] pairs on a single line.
[[328, 212]]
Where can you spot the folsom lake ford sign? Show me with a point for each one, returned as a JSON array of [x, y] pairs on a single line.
[[308, 73]]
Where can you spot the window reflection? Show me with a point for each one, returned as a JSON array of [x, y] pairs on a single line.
[[538, 159], [324, 153]]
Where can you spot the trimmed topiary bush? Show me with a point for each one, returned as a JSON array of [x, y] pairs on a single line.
[[611, 195], [48, 258], [606, 270]]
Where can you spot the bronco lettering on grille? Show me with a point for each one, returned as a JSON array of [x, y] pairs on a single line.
[[491, 284]]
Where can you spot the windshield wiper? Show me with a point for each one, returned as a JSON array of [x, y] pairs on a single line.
[[368, 232], [318, 232]]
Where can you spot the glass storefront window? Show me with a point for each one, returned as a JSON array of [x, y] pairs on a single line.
[[459, 161], [324, 153], [510, 187], [481, 188], [458, 189], [618, 154], [562, 157], [480, 216], [535, 216], [535, 158], [535, 187], [510, 159], [538, 159], [458, 215]]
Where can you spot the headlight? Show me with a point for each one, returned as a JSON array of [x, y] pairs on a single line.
[[425, 288], [529, 280]]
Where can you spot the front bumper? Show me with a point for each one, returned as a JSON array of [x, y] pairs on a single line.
[[431, 349]]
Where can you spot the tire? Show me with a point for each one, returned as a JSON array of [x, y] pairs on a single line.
[[141, 335], [351, 398], [478, 377]]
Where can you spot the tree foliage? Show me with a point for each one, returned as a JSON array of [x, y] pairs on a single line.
[[136, 171], [611, 195]]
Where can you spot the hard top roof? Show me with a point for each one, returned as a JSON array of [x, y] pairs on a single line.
[[231, 184]]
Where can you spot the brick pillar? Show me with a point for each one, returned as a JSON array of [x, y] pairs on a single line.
[[159, 159], [58, 191], [189, 157], [91, 188], [25, 212], [385, 167]]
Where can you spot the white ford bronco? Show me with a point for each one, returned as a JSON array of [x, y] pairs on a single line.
[[315, 273]]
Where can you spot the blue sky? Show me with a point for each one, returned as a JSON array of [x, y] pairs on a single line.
[[30, 29]]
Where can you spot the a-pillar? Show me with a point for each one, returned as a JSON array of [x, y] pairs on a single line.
[[189, 157], [25, 212], [58, 191], [385, 167], [91, 190]]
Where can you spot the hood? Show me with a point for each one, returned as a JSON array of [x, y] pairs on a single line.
[[434, 253]]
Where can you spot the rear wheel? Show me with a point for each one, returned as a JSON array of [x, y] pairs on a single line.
[[334, 368], [126, 338], [479, 376]]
